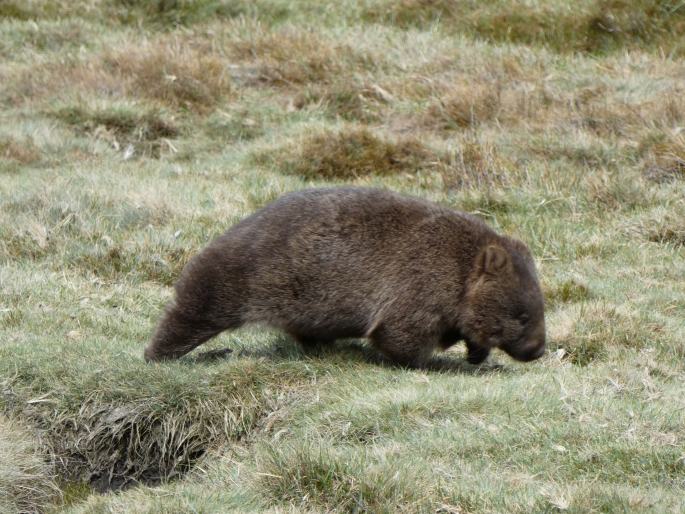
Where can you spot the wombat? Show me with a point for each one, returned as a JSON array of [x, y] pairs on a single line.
[[322, 264]]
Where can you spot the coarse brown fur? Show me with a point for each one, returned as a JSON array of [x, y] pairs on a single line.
[[323, 264]]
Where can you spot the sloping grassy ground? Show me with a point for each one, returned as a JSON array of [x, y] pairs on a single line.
[[132, 132]]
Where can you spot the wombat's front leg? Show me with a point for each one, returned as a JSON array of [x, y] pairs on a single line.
[[404, 347], [476, 354]]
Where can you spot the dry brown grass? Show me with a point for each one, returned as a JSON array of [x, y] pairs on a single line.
[[290, 56], [18, 152], [465, 105], [27, 480], [588, 26], [142, 130], [350, 153], [171, 74], [596, 328], [165, 71], [664, 157], [474, 163], [567, 291], [349, 100]]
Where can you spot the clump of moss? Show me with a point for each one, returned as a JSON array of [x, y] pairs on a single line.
[[349, 154]]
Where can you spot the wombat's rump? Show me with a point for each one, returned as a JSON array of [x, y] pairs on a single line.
[[323, 264]]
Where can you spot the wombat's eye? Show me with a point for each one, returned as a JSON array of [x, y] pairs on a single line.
[[523, 319]]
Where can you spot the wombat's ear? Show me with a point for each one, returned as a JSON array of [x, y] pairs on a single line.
[[494, 260]]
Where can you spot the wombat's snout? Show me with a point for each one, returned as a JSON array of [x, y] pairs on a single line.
[[535, 353], [533, 347], [527, 352]]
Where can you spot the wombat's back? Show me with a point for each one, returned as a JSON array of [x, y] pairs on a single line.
[[328, 260]]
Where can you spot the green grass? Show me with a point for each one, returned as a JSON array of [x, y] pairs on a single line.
[[132, 133]]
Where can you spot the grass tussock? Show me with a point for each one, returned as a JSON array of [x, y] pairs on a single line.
[[112, 430], [466, 105], [332, 479], [162, 265], [165, 74], [27, 479], [667, 228], [171, 74], [144, 129], [15, 153], [351, 101], [598, 329], [289, 56], [588, 26], [474, 164], [567, 291], [166, 13], [664, 157], [348, 154]]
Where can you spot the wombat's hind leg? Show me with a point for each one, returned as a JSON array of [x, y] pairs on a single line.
[[311, 342], [179, 333]]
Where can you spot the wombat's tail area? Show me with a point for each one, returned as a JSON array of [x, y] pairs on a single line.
[[178, 333]]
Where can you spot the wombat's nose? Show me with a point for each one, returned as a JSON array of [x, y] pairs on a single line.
[[538, 352]]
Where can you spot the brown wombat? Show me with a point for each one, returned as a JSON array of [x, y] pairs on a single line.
[[323, 264]]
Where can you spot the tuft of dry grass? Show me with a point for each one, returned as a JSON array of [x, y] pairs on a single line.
[[349, 153], [117, 262], [167, 72], [590, 25], [15, 153], [567, 291], [598, 329], [664, 157], [350, 100], [170, 73], [291, 56], [165, 13], [333, 480], [474, 164], [27, 480], [465, 105], [142, 128], [662, 226], [126, 433]]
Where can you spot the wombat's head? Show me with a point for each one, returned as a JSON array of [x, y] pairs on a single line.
[[504, 306]]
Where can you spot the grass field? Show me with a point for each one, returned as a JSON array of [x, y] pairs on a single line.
[[133, 132]]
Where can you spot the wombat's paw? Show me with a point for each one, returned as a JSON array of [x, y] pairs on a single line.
[[477, 355], [213, 355]]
